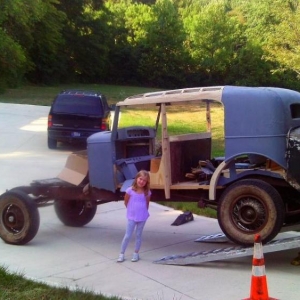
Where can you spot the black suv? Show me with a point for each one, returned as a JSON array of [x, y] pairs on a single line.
[[75, 115]]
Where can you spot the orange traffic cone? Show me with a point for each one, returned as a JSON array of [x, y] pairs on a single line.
[[259, 288]]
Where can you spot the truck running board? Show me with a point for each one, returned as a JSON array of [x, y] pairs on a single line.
[[228, 252]]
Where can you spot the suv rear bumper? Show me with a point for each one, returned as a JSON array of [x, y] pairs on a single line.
[[70, 135]]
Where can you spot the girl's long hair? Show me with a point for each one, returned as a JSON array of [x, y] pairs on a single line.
[[145, 174]]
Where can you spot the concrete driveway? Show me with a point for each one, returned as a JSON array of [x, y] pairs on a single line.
[[86, 257]]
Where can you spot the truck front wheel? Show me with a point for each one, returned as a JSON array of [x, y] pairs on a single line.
[[249, 207], [75, 213], [19, 218]]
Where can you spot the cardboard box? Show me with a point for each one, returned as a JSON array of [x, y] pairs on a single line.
[[76, 168]]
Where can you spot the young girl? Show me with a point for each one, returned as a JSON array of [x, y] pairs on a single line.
[[136, 200]]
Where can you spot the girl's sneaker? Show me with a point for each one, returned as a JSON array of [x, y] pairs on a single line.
[[135, 257], [121, 258]]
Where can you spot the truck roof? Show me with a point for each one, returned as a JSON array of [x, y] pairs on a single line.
[[178, 96], [227, 95]]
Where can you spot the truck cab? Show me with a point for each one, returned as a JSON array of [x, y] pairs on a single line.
[[253, 186]]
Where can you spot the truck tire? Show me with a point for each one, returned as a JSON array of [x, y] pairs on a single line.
[[249, 207], [74, 213], [19, 218], [52, 144]]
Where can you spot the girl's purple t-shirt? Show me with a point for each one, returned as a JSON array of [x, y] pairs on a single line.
[[137, 206]]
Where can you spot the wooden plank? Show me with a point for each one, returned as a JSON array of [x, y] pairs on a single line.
[[190, 136], [166, 151]]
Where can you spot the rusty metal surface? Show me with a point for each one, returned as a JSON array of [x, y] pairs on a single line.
[[51, 189]]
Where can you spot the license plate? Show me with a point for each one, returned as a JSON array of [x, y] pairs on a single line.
[[75, 134]]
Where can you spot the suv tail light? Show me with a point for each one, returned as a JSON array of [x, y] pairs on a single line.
[[50, 123], [104, 124]]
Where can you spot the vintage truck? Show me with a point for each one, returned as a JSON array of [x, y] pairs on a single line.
[[254, 185]]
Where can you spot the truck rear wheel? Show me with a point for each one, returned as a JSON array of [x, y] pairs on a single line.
[[248, 207], [74, 213], [19, 218]]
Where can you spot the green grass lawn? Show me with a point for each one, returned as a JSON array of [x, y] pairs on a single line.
[[38, 95], [14, 286]]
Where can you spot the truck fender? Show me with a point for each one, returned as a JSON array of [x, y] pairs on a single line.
[[215, 178]]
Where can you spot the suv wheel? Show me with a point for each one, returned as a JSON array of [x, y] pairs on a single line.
[[52, 144]]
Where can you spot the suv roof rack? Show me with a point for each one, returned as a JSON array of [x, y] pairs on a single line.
[[80, 92]]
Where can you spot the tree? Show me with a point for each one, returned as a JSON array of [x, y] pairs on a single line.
[[13, 62], [86, 40], [46, 52], [122, 57], [273, 25], [16, 21], [283, 43], [148, 43], [163, 57], [214, 36], [163, 43]]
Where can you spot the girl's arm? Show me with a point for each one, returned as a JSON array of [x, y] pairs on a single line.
[[126, 199], [148, 201]]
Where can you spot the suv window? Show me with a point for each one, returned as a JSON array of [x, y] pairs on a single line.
[[78, 104]]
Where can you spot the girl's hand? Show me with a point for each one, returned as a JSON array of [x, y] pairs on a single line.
[[148, 201]]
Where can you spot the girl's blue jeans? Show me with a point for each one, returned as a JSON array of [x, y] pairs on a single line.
[[139, 226]]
